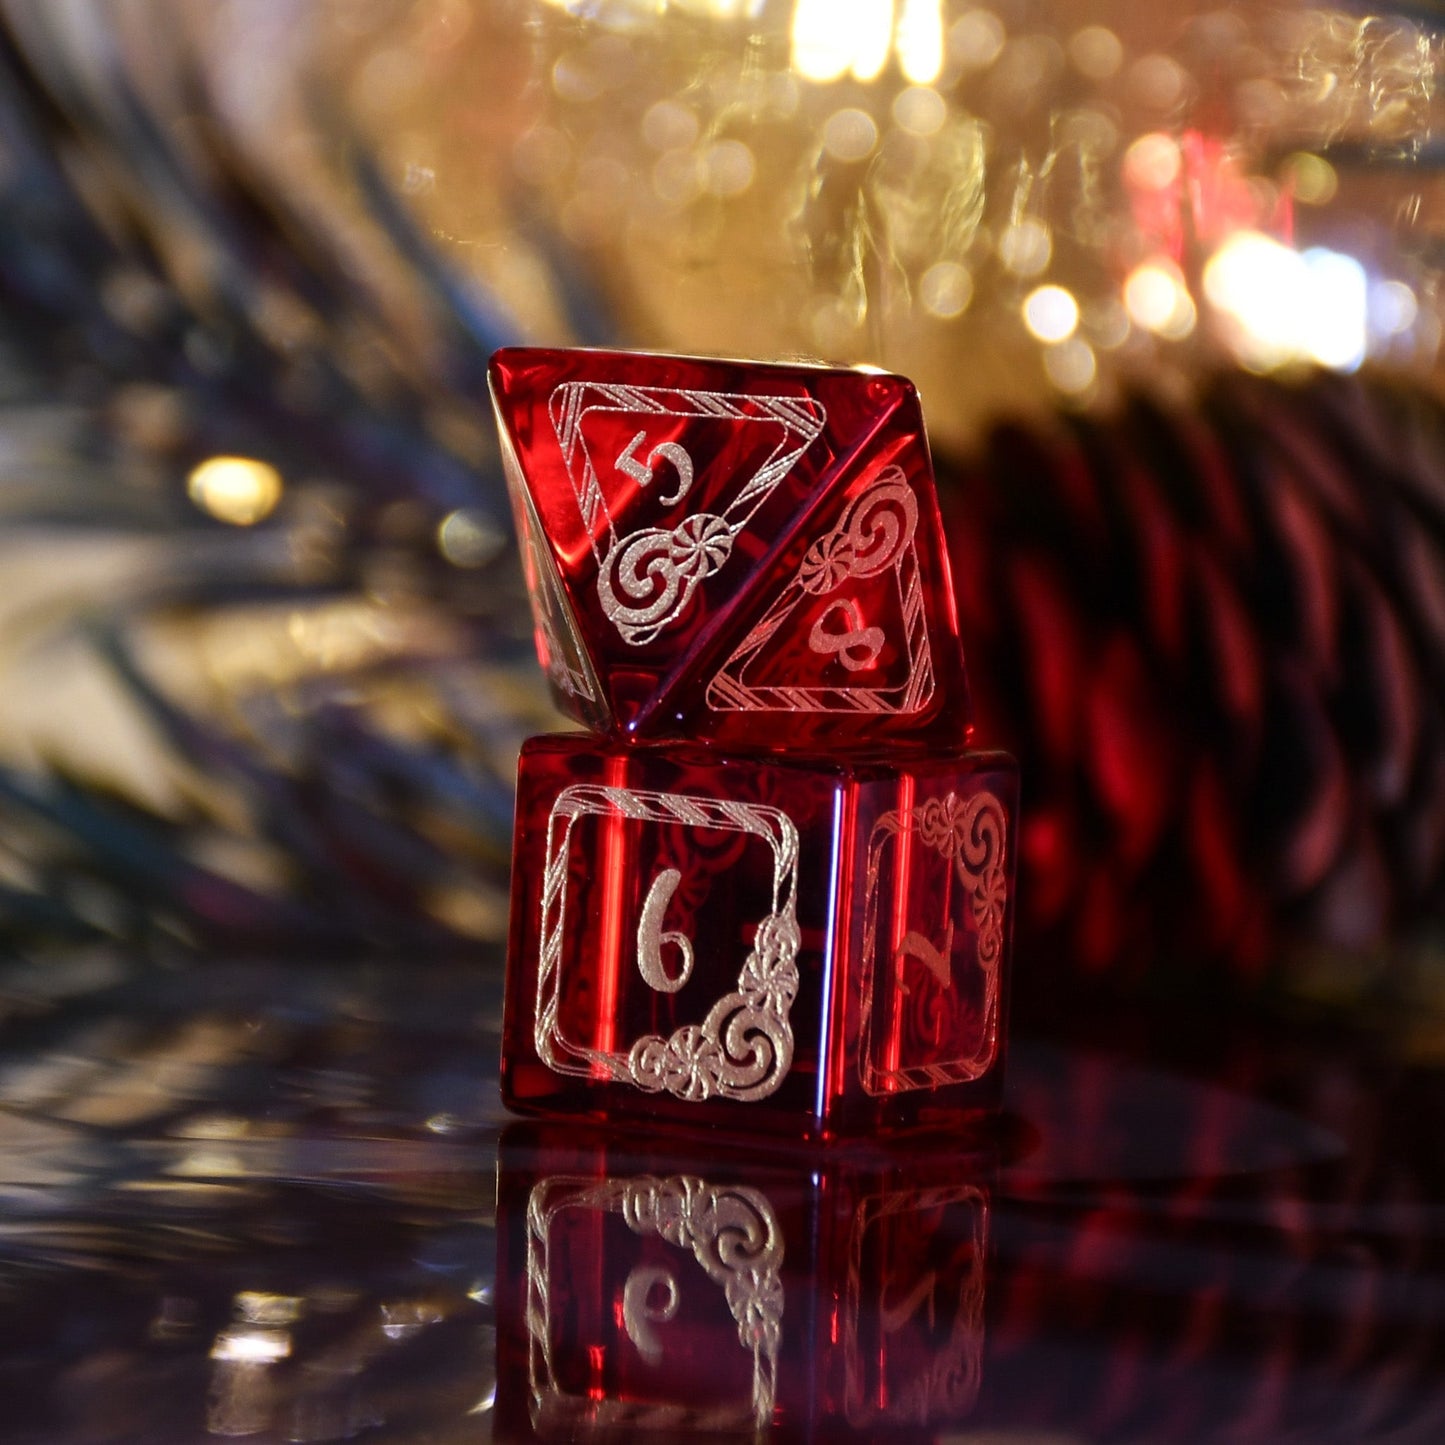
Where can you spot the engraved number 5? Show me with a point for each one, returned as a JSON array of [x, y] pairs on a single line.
[[650, 937], [642, 474]]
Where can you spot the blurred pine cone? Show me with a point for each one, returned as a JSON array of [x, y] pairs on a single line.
[[1215, 636]]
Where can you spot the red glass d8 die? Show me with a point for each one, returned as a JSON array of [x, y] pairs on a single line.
[[809, 948], [745, 553]]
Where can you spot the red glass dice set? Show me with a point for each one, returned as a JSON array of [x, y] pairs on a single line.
[[772, 889]]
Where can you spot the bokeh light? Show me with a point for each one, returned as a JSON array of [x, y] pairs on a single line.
[[1051, 313], [238, 490], [1282, 305], [1156, 298]]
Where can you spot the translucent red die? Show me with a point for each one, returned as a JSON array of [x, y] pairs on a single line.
[[804, 947], [677, 1292], [744, 553]]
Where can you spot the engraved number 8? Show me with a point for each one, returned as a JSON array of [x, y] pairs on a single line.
[[650, 937], [642, 474]]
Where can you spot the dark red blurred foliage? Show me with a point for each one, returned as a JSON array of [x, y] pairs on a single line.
[[1214, 635]]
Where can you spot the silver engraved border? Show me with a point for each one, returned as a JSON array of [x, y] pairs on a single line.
[[802, 417], [732, 1232], [973, 836], [743, 1049]]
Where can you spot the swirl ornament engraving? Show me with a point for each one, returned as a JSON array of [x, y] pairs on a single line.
[[876, 534], [734, 1235], [658, 571], [972, 834], [868, 538], [647, 576], [743, 1048]]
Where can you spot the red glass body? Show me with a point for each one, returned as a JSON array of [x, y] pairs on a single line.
[[743, 553], [680, 1293], [806, 948]]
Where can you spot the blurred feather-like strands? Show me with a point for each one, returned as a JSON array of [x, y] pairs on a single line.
[[228, 467]]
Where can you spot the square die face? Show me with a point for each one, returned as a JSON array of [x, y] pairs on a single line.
[[650, 877], [934, 866], [914, 1306], [667, 934], [639, 1311]]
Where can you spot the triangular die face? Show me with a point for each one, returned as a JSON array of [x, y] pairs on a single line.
[[848, 633], [665, 480], [558, 640]]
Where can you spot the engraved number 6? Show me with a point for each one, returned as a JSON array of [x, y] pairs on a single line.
[[639, 1313], [650, 937], [642, 474]]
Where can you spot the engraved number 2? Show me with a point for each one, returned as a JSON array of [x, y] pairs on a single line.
[[934, 959], [650, 937], [642, 473], [894, 1317]]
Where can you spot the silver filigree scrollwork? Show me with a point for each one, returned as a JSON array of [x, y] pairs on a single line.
[[731, 1231], [877, 526], [657, 571], [743, 1048], [647, 577], [875, 534], [972, 835]]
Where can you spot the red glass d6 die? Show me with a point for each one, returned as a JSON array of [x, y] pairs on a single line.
[[810, 948], [663, 1290], [745, 553]]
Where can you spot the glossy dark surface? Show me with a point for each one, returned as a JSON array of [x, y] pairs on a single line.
[[258, 1201]]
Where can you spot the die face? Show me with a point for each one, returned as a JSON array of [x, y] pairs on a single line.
[[669, 932], [679, 500], [559, 644], [852, 635], [675, 1289], [930, 919], [914, 1290], [771, 947], [647, 1294]]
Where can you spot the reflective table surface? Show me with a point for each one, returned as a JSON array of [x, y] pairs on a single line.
[[280, 1201]]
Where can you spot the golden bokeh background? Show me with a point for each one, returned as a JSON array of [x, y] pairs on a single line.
[[1017, 204]]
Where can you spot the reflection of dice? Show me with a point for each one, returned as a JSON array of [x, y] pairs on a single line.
[[750, 554], [670, 1291], [812, 947]]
